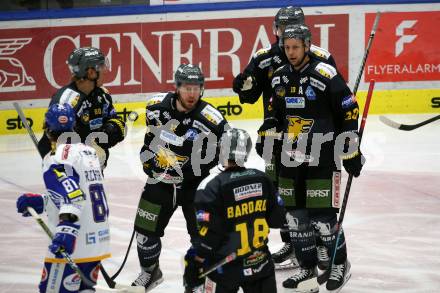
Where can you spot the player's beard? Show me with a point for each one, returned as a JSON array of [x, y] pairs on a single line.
[[188, 106]]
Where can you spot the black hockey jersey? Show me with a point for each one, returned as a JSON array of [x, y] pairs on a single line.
[[262, 66], [92, 111], [313, 100], [234, 211], [175, 141]]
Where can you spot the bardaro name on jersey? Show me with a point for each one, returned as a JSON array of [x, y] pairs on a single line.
[[246, 208]]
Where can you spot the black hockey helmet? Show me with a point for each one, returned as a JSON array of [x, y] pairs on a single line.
[[235, 145], [297, 31], [81, 59], [189, 73], [288, 15]]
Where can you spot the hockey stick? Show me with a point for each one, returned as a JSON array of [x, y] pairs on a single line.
[[65, 255], [74, 266], [221, 263], [324, 277], [367, 52], [338, 228], [25, 123], [108, 280], [407, 127], [125, 258]]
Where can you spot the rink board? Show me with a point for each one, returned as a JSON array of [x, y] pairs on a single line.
[[384, 102]]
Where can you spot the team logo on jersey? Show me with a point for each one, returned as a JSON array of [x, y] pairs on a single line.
[[280, 91], [295, 102], [298, 125], [285, 79], [310, 93], [166, 159]]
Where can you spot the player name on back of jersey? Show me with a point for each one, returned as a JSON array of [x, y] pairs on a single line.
[[93, 175], [246, 208]]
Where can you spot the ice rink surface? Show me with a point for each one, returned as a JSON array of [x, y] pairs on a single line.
[[392, 222]]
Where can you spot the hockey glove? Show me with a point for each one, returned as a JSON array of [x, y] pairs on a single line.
[[353, 164], [193, 268], [238, 83], [242, 83], [64, 239], [115, 130], [33, 200], [268, 128]]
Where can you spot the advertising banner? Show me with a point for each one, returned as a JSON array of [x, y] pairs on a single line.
[[405, 47], [143, 56]]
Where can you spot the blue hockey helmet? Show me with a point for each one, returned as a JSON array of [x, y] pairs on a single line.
[[60, 118]]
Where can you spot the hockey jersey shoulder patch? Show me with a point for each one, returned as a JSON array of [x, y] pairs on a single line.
[[320, 52], [70, 97], [262, 51], [326, 70], [156, 99], [212, 115]]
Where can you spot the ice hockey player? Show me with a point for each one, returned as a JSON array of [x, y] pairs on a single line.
[[176, 124], [256, 77], [235, 209], [92, 103], [260, 71], [312, 101], [75, 204]]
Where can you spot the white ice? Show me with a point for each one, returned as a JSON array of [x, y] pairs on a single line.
[[392, 221]]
